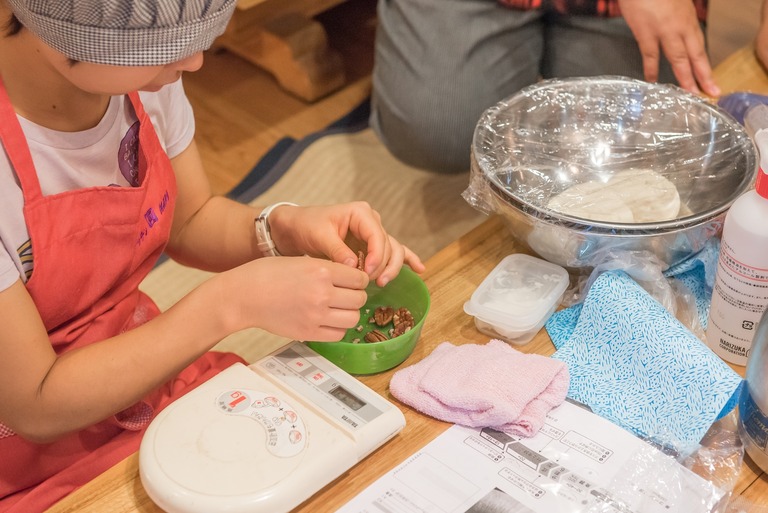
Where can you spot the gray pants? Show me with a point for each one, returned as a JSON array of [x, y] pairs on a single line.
[[440, 63]]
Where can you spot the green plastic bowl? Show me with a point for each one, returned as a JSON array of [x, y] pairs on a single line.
[[407, 290]]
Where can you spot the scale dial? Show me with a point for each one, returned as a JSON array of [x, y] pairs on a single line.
[[231, 444]]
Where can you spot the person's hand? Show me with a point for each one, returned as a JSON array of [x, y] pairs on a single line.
[[302, 298], [761, 40], [673, 27], [335, 231]]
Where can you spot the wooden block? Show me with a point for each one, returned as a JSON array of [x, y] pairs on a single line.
[[294, 49], [261, 11]]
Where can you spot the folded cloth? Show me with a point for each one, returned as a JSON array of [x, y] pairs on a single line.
[[635, 364], [491, 385]]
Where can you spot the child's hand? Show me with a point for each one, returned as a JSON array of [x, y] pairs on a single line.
[[322, 231], [302, 298]]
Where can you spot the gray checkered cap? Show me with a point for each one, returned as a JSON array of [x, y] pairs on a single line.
[[126, 32]]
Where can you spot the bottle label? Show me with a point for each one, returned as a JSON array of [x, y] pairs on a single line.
[[753, 419], [739, 297]]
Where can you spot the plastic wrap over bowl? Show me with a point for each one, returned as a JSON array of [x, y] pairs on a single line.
[[583, 169]]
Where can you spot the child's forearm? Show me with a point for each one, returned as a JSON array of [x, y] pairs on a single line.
[[87, 385], [209, 232], [217, 237]]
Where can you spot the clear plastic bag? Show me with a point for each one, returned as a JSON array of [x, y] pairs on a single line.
[[650, 474], [737, 104]]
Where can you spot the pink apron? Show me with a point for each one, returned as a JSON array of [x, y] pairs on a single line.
[[91, 248]]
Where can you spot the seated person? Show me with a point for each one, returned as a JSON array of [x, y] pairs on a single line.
[[440, 63]]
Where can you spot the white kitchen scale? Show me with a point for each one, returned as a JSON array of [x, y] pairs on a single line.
[[263, 437]]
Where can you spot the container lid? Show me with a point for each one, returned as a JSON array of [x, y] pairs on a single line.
[[519, 292]]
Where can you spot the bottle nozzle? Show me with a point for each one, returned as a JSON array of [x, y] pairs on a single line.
[[761, 141]]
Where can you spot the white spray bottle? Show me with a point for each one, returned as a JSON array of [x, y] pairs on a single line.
[[740, 294]]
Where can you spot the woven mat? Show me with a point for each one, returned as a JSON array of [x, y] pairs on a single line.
[[423, 210]]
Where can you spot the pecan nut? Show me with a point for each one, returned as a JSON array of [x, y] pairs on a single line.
[[375, 336], [402, 319], [383, 315], [361, 261]]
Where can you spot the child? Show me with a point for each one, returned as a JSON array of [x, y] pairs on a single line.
[[89, 198]]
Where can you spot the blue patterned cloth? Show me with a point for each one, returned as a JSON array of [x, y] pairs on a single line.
[[635, 364]]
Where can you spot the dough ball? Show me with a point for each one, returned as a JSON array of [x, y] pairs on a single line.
[[651, 197], [593, 201], [633, 196]]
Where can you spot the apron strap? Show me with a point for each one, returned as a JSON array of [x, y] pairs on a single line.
[[149, 142], [17, 149]]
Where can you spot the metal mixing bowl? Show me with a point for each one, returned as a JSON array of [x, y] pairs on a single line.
[[562, 132]]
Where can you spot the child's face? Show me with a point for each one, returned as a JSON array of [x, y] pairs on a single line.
[[114, 80]]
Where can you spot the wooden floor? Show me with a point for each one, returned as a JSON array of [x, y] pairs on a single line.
[[241, 112]]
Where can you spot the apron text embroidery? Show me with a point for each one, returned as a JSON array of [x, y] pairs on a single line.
[[151, 217]]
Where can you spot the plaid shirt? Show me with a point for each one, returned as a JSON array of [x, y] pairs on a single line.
[[608, 8]]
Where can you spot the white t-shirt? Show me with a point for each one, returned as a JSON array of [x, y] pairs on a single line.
[[73, 160]]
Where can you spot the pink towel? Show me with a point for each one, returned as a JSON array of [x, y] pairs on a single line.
[[491, 385]]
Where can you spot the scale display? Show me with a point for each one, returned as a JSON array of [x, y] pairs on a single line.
[[263, 437], [347, 398]]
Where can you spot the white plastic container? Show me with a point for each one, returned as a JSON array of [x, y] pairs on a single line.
[[517, 297], [740, 294]]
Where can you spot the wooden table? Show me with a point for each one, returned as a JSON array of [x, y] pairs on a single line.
[[451, 277]]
